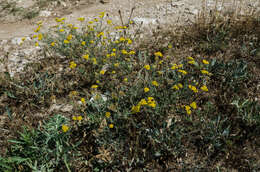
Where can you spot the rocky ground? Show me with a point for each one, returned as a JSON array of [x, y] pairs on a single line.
[[18, 19]]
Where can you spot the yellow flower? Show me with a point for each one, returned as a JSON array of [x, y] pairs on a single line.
[[175, 87], [129, 41], [90, 22], [180, 85], [121, 39], [146, 89], [81, 19], [53, 44], [191, 62], [174, 67], [34, 36], [66, 41], [83, 100], [39, 37], [124, 52], [74, 118], [116, 64], [23, 39], [204, 88], [102, 72], [193, 88], [155, 83], [100, 34], [158, 54], [72, 64], [111, 126], [150, 99], [97, 81], [147, 67], [113, 54], [190, 58], [193, 105], [69, 37], [108, 114], [37, 30], [205, 72], [70, 26], [132, 52], [65, 128], [153, 104], [135, 109], [37, 44], [75, 27], [182, 71], [79, 118], [169, 46], [187, 108], [142, 102], [61, 30], [109, 22], [125, 79], [205, 61], [94, 86], [114, 50], [96, 20], [92, 42], [113, 72], [180, 65], [94, 60], [83, 43], [86, 56]]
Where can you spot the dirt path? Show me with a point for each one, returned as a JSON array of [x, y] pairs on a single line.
[[148, 11]]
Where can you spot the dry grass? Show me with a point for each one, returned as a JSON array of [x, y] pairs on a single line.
[[222, 134]]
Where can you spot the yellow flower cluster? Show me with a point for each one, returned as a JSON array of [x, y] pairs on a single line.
[[177, 86], [188, 107], [72, 64], [77, 118], [175, 66], [149, 102], [158, 54], [193, 88]]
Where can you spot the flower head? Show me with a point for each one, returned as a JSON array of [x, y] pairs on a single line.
[[205, 72], [94, 86], [146, 89], [72, 64], [193, 105], [147, 67], [205, 61], [193, 88], [79, 118], [155, 83], [65, 128], [204, 88], [158, 54], [108, 114], [83, 101]]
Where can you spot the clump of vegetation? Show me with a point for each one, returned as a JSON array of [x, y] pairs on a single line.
[[136, 107]]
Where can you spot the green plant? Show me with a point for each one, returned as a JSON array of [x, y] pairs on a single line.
[[39, 149]]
